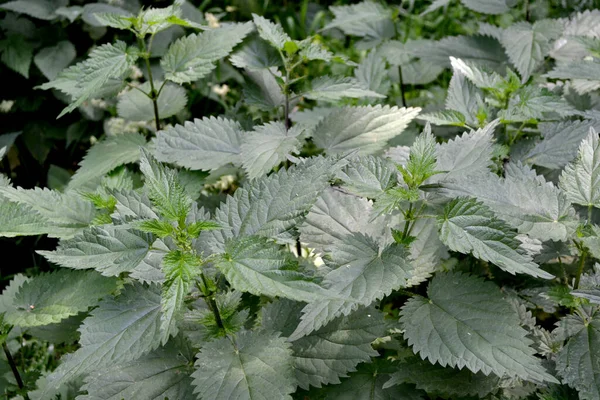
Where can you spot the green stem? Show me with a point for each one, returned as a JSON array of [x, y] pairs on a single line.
[[153, 93], [212, 304], [403, 96], [580, 269], [590, 213], [14, 369], [407, 217]]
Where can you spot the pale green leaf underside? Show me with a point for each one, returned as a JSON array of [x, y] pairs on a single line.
[[334, 88], [106, 155], [51, 297], [271, 32], [255, 366], [466, 323], [470, 227]]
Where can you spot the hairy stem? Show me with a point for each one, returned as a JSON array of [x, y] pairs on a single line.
[[14, 369], [212, 304], [408, 219]]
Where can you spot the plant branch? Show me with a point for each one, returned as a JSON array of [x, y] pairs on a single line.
[[580, 269], [212, 304], [14, 369], [153, 93]]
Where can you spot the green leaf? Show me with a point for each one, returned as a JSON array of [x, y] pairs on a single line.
[[465, 322], [252, 264], [136, 106], [253, 365], [372, 74], [6, 142], [446, 381], [479, 75], [163, 187], [533, 102], [368, 383], [467, 154], [105, 62], [330, 353], [207, 143], [17, 54], [110, 250], [470, 227], [263, 90], [271, 206], [583, 69], [365, 271], [52, 60], [524, 200], [156, 227], [527, 44], [120, 330], [334, 88], [268, 146], [9, 293], [40, 9], [115, 20], [369, 176], [464, 97], [51, 297], [578, 363], [20, 220], [487, 6], [560, 144], [581, 179], [255, 54], [106, 155], [271, 32], [194, 56], [444, 117], [62, 214], [362, 129], [162, 374], [180, 270], [366, 19], [421, 160]]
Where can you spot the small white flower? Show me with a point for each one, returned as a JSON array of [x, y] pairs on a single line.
[[220, 90], [6, 105], [212, 20]]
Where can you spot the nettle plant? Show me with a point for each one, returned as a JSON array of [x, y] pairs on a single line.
[[337, 267]]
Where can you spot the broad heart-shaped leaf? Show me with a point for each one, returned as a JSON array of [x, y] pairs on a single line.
[[365, 272], [251, 366], [524, 200], [578, 363], [560, 144], [470, 227], [161, 374], [468, 153], [105, 62], [136, 106], [17, 54], [51, 297], [262, 90], [527, 44], [267, 146], [252, 264], [193, 57], [446, 381], [362, 129], [465, 322], [369, 176], [365, 19], [207, 144], [40, 9], [63, 214], [52, 60], [120, 330], [163, 189], [334, 88], [255, 54], [110, 250], [533, 102], [271, 206], [106, 155], [330, 353], [271, 32], [581, 179]]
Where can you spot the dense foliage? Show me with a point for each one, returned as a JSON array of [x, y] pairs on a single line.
[[364, 201]]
